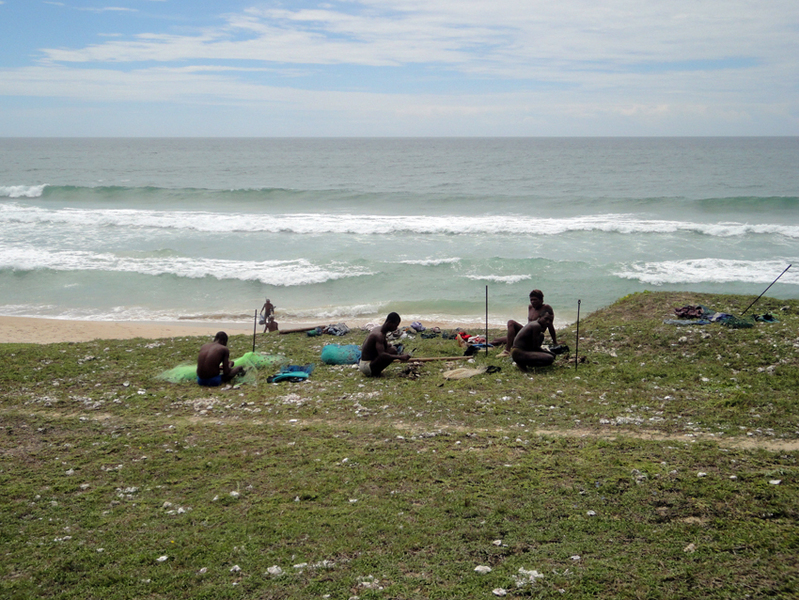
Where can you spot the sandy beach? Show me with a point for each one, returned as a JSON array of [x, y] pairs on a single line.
[[31, 330], [28, 330]]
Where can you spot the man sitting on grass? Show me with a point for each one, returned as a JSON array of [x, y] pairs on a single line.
[[527, 350], [534, 310], [213, 356], [376, 352]]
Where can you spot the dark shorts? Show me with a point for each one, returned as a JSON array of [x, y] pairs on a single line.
[[525, 359], [210, 381]]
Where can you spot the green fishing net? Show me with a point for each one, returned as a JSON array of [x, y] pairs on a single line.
[[184, 372], [251, 361], [258, 360], [737, 322]]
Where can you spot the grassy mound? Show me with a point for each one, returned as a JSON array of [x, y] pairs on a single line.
[[663, 466]]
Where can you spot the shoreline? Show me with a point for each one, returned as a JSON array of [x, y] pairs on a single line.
[[40, 330]]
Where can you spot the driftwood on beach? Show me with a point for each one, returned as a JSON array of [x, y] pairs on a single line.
[[299, 329]]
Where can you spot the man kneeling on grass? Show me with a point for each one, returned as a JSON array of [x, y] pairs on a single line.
[[376, 352], [213, 356], [527, 350]]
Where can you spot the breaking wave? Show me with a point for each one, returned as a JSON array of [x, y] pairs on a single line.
[[269, 272], [707, 270], [368, 224]]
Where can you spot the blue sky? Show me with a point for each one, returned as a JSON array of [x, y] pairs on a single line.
[[399, 68]]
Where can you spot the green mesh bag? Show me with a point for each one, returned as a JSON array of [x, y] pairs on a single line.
[[737, 323], [258, 360], [179, 374], [251, 361]]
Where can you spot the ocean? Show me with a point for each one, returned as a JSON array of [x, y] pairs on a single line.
[[347, 230]]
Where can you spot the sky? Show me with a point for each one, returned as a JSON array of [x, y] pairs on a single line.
[[108, 68]]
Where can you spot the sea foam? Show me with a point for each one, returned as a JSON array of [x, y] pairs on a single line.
[[21, 191], [269, 272], [509, 279], [369, 224], [707, 270]]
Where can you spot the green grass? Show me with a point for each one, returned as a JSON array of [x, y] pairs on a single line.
[[399, 487]]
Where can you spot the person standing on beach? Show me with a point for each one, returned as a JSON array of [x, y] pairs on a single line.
[[376, 352], [534, 311], [527, 351], [268, 316], [213, 357]]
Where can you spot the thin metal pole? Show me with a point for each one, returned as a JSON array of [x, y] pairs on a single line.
[[764, 291], [577, 341], [254, 327], [486, 321]]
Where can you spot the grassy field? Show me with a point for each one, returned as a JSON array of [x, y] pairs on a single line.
[[664, 466]]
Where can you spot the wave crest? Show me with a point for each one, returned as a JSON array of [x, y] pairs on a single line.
[[359, 224], [707, 270], [509, 279], [22, 191], [280, 273]]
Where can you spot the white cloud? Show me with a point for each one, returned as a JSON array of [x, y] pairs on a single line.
[[501, 62], [206, 85], [502, 38]]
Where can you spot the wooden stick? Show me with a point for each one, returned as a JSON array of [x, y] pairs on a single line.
[[254, 327], [764, 291], [434, 358], [299, 329], [577, 337], [486, 320]]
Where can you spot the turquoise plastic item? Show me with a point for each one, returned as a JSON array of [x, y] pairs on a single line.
[[341, 354], [291, 375]]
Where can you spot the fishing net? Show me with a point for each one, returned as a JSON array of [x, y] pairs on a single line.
[[251, 361], [258, 360], [184, 372], [734, 322], [341, 354]]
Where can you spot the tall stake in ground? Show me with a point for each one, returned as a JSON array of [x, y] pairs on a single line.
[[577, 340], [764, 291], [254, 327]]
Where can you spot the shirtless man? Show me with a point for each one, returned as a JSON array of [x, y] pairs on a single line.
[[268, 315], [213, 356], [534, 311], [527, 350], [376, 353]]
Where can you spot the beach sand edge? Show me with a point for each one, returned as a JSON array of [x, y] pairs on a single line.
[[34, 330]]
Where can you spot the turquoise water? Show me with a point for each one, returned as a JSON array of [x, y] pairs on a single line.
[[349, 229]]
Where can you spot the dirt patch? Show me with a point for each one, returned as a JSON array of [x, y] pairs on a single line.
[[747, 443], [738, 443]]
